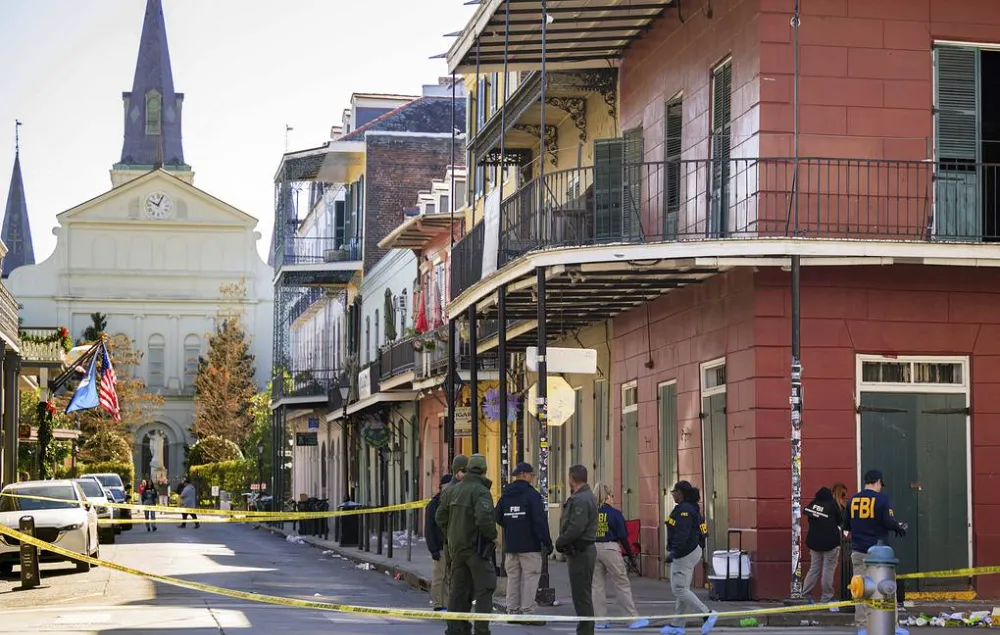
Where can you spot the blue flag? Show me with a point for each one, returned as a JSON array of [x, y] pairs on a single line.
[[85, 396]]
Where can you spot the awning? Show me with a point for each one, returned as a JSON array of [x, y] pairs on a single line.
[[578, 33], [417, 230], [382, 397]]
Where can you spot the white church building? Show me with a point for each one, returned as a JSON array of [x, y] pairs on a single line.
[[152, 253]]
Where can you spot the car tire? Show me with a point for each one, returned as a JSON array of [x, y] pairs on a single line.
[[6, 568], [118, 529], [108, 536], [82, 567]]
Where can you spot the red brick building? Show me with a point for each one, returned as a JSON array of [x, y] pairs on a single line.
[[891, 208]]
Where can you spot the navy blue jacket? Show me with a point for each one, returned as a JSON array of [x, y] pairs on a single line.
[[611, 525], [432, 533], [869, 519], [521, 514], [685, 529]]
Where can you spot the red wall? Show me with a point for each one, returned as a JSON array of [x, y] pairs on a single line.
[[689, 326]]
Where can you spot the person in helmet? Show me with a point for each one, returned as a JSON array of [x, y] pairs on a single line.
[[465, 515]]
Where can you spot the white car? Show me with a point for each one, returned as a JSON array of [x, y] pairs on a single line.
[[69, 522], [99, 496]]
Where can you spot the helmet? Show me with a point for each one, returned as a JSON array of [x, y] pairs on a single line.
[[477, 464]]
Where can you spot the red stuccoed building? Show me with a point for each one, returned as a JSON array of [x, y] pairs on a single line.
[[867, 144]]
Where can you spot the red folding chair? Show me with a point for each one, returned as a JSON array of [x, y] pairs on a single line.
[[633, 561]]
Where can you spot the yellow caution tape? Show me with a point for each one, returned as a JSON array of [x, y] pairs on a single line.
[[968, 572], [258, 516], [419, 614]]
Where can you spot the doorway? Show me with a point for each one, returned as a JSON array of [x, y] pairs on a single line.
[[715, 454], [913, 419], [630, 450], [666, 400]]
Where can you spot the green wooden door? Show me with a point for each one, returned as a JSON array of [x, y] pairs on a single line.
[[715, 495], [630, 453], [919, 442], [667, 399]]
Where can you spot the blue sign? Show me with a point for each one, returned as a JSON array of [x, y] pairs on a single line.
[[314, 423]]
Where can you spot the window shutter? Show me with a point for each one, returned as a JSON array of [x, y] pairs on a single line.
[[632, 190], [722, 93], [956, 103], [672, 149], [608, 166]]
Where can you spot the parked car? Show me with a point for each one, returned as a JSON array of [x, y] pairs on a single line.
[[65, 519], [113, 483], [99, 496]]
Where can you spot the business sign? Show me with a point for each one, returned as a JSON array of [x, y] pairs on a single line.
[[314, 423], [306, 439], [463, 422], [215, 490], [575, 361], [365, 383]]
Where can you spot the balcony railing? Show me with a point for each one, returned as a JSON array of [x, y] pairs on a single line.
[[432, 361], [301, 250], [9, 322], [309, 297], [669, 201], [396, 358], [305, 383]]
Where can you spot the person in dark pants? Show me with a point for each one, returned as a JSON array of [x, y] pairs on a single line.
[[823, 541], [526, 541], [577, 533], [869, 520], [465, 515], [435, 544]]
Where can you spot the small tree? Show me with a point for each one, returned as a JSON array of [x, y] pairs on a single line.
[[106, 446], [93, 332], [225, 382], [213, 449]]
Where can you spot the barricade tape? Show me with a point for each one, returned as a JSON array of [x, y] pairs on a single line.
[[260, 516], [968, 572], [413, 614]]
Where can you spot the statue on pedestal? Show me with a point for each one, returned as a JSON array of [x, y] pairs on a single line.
[[156, 467]]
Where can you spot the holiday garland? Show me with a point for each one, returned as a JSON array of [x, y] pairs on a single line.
[[44, 412], [60, 335]]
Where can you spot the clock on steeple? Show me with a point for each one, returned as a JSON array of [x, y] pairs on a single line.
[[159, 205]]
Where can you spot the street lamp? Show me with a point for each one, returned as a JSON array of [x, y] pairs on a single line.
[[260, 468]]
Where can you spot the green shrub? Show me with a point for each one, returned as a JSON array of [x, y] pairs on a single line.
[[213, 449], [125, 470], [69, 472], [229, 476]]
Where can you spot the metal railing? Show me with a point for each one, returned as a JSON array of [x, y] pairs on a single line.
[[302, 250], [709, 199], [396, 358], [309, 297], [305, 383]]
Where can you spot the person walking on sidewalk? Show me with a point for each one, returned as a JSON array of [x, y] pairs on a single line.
[[149, 498], [612, 536], [686, 533], [577, 532], [823, 541], [465, 515], [435, 544], [526, 540], [189, 498], [869, 520]]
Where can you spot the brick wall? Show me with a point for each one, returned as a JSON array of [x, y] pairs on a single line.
[[398, 167]]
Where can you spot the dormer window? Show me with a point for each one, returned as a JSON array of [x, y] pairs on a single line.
[[154, 112]]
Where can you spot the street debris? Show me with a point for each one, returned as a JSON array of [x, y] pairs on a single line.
[[981, 619]]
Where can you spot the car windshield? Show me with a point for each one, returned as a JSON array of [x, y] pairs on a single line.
[[110, 480], [91, 488], [65, 494]]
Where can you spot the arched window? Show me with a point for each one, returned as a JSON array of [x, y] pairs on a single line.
[[192, 351], [156, 352], [154, 112]]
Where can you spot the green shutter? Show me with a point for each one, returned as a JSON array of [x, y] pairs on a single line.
[[958, 142], [672, 149], [722, 93], [608, 158], [632, 187]]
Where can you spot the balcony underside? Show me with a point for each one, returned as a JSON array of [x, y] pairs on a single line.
[[310, 402], [318, 275], [579, 34]]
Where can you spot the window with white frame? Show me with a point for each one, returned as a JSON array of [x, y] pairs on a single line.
[[192, 351], [156, 371]]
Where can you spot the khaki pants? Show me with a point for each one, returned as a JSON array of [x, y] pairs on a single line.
[[523, 572], [440, 581], [681, 572], [822, 566], [610, 561]]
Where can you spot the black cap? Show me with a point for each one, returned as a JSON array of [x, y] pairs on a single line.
[[873, 476], [446, 479], [523, 468]]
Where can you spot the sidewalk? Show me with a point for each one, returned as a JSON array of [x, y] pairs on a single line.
[[651, 596]]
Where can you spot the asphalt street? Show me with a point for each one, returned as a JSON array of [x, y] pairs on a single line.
[[235, 557]]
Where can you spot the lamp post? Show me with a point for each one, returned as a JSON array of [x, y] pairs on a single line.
[[260, 467]]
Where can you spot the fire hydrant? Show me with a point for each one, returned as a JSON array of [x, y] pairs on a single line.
[[878, 585]]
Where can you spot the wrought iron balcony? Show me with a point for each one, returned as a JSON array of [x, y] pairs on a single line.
[[670, 201], [302, 250], [396, 358], [432, 356], [305, 383], [309, 297]]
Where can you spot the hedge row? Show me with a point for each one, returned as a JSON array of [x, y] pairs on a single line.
[[229, 476]]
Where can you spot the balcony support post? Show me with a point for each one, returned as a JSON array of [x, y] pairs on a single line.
[[545, 595], [474, 376], [449, 384], [502, 368]]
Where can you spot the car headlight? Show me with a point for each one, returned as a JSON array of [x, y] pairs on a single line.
[[100, 509], [73, 527]]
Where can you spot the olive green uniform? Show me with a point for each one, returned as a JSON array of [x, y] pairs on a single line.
[[577, 532], [465, 515]]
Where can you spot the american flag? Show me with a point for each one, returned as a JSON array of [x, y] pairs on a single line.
[[106, 390]]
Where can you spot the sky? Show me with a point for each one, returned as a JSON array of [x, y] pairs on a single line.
[[246, 68]]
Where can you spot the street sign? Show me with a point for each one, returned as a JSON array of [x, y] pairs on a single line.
[[577, 361], [463, 422], [306, 439], [561, 399], [313, 423], [215, 490]]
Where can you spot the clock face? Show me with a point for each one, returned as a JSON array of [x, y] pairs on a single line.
[[159, 205]]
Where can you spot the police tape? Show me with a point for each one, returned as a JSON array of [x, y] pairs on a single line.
[[400, 613], [968, 572], [254, 516]]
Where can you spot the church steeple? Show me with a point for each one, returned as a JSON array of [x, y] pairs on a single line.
[[16, 232], [153, 108]]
